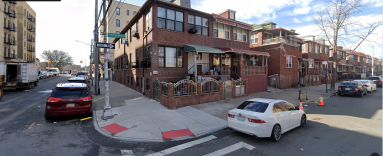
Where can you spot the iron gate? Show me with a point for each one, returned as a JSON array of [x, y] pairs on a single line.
[[228, 89], [156, 90], [240, 87]]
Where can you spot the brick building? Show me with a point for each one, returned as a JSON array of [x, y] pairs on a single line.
[[284, 48], [169, 42]]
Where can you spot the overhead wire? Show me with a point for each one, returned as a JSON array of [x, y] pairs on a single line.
[[112, 18], [104, 16]]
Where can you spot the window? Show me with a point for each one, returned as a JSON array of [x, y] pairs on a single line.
[[255, 37], [304, 47], [199, 56], [170, 19], [131, 82], [148, 56], [148, 84], [128, 79], [25, 45], [326, 50], [199, 23], [127, 12], [148, 23], [134, 13], [117, 11], [318, 48], [137, 81], [289, 61], [278, 108], [25, 23], [117, 32], [117, 23], [304, 64], [231, 15], [311, 64], [170, 57], [137, 58], [221, 30], [240, 34], [322, 50], [254, 106], [137, 27]]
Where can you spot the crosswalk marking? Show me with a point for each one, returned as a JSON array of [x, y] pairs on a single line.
[[183, 146], [231, 148]]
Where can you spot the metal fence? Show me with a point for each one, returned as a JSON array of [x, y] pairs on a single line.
[[210, 85], [185, 87], [240, 87]]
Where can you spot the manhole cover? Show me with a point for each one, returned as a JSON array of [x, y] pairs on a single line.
[[259, 153], [317, 118]]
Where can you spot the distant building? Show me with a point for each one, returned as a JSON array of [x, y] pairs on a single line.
[[8, 34], [26, 32], [71, 67]]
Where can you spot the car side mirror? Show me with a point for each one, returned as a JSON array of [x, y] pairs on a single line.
[[296, 108]]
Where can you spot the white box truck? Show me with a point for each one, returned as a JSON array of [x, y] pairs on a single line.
[[19, 75]]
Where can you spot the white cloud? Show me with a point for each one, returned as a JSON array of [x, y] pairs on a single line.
[[297, 21], [247, 9], [375, 3], [298, 11]]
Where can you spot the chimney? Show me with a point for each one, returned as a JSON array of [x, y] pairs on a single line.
[[183, 3]]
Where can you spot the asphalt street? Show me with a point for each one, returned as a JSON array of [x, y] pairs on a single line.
[[344, 126]]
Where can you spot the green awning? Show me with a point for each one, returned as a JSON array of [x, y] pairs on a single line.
[[202, 49]]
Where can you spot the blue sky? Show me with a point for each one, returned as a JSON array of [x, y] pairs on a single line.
[[59, 24]]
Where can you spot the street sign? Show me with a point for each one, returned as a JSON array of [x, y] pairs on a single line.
[[324, 62], [114, 35], [105, 45], [106, 56]]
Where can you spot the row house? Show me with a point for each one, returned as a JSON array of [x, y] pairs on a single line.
[[174, 54], [315, 59], [377, 66], [284, 48]]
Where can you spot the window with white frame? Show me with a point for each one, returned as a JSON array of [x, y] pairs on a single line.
[[304, 47], [231, 15], [240, 34], [117, 23], [254, 38], [117, 11], [289, 61], [311, 64], [326, 50], [322, 49], [148, 20], [221, 30]]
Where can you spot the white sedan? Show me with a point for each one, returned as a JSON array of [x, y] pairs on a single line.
[[266, 118], [370, 85]]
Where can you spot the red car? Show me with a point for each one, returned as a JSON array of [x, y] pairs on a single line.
[[69, 99]]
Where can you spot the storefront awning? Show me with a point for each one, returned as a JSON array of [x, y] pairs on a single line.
[[304, 59], [202, 49], [243, 51]]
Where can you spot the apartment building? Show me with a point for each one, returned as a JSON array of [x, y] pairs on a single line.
[[285, 49], [118, 16], [26, 32], [8, 34], [188, 51]]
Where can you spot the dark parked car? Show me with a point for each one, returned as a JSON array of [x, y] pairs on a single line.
[[82, 73], [352, 88], [78, 80], [69, 99], [377, 80]]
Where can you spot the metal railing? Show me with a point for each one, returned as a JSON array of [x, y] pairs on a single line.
[[185, 87], [210, 85], [277, 40]]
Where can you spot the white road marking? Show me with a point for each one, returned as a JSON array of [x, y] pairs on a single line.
[[231, 148], [183, 146], [365, 128], [127, 152]]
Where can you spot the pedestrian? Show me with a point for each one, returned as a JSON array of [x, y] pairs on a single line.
[[99, 73], [102, 72]]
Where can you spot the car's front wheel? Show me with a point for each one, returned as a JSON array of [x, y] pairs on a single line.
[[303, 120], [276, 133]]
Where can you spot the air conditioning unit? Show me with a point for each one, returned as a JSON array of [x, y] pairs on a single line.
[[193, 30]]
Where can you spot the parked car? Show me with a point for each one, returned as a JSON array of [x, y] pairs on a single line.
[[55, 71], [74, 72], [262, 117], [50, 74], [82, 73], [42, 75], [370, 85], [45, 73], [69, 99], [352, 88], [78, 80], [377, 80]]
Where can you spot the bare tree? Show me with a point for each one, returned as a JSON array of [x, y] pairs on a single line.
[[58, 58], [338, 24]]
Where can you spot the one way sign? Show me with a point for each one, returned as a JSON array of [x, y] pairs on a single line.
[[105, 45]]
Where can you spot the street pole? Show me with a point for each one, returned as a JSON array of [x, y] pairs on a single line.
[[96, 52], [326, 76], [123, 68], [107, 108], [90, 60], [372, 60]]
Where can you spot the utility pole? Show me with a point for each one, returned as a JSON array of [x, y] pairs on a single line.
[[373, 60], [96, 51], [107, 108], [90, 60]]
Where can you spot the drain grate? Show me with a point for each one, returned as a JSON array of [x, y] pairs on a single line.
[[259, 153]]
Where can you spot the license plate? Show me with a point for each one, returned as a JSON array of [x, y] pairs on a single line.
[[347, 88], [241, 118], [69, 105]]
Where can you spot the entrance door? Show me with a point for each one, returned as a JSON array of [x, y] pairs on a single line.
[[199, 69], [228, 89], [156, 90]]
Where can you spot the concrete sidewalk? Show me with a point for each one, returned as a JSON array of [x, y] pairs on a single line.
[[138, 118]]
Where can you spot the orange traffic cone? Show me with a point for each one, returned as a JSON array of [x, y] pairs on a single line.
[[321, 101], [300, 106]]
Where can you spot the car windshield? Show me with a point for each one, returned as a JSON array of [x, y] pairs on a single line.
[[52, 70], [70, 93], [349, 83], [253, 106], [81, 73], [373, 78], [77, 81]]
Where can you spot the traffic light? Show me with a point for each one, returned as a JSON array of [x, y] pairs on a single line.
[[49, 61], [80, 61]]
